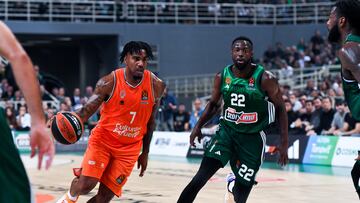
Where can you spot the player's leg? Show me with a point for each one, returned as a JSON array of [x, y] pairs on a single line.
[[95, 162], [104, 195], [241, 192], [216, 156], [117, 172], [207, 169], [355, 174], [249, 155]]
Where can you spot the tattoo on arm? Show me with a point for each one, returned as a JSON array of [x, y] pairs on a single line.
[[102, 90]]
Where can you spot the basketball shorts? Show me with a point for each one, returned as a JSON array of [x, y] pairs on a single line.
[[111, 165], [244, 151], [15, 186]]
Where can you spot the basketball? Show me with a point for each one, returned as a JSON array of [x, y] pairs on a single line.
[[67, 127]]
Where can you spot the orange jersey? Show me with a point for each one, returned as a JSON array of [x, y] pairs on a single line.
[[124, 116]]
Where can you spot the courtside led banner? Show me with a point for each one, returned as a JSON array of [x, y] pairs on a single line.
[[346, 151], [320, 150], [170, 143]]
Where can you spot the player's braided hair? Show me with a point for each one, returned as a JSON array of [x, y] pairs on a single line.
[[133, 47], [349, 9]]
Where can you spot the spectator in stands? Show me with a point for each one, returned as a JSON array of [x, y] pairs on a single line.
[[338, 120], [89, 91], [292, 116], [295, 103], [76, 98], [317, 112], [39, 75], [23, 119], [286, 71], [55, 92], [17, 96], [61, 95], [305, 121], [9, 93], [351, 127], [168, 107], [11, 118], [317, 39], [64, 106], [196, 113], [310, 87], [326, 117], [181, 119]]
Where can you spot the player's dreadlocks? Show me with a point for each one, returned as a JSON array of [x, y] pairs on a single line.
[[133, 47]]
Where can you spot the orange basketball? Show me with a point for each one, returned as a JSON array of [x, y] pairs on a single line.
[[67, 127]]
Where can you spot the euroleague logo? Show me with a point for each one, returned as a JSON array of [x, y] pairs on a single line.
[[65, 128], [75, 121]]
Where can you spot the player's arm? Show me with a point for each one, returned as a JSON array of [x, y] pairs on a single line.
[[26, 79], [270, 86], [102, 92], [350, 61], [211, 109], [159, 87]]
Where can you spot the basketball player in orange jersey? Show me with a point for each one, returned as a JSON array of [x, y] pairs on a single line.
[[129, 97]]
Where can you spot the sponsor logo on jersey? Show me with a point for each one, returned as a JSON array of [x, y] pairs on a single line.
[[240, 117], [127, 131]]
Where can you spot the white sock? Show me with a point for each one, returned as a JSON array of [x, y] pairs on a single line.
[[71, 197]]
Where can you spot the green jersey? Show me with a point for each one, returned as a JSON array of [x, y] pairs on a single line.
[[246, 109], [352, 87]]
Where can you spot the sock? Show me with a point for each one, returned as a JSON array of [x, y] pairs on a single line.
[[71, 197]]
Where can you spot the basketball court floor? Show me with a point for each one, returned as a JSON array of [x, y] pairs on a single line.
[[167, 176]]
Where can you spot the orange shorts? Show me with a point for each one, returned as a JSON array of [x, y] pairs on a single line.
[[110, 165]]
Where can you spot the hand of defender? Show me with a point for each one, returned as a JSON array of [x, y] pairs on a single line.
[[40, 141], [142, 162], [283, 158], [196, 132]]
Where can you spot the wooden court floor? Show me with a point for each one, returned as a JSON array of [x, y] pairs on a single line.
[[164, 181]]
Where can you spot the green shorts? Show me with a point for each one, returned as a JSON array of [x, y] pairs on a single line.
[[244, 151], [13, 178]]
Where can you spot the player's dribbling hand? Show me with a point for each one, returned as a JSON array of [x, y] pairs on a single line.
[[40, 141], [196, 132], [142, 162]]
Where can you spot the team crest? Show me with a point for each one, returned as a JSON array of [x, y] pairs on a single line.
[[251, 82], [122, 94], [227, 82], [120, 179], [144, 95]]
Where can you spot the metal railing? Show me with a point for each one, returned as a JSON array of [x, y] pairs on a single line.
[[161, 12], [200, 85]]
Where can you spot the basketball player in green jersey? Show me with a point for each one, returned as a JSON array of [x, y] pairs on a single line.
[[344, 29], [244, 88], [15, 187]]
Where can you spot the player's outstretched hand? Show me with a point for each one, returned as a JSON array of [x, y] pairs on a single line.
[[283, 158], [142, 162], [196, 132], [41, 142]]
